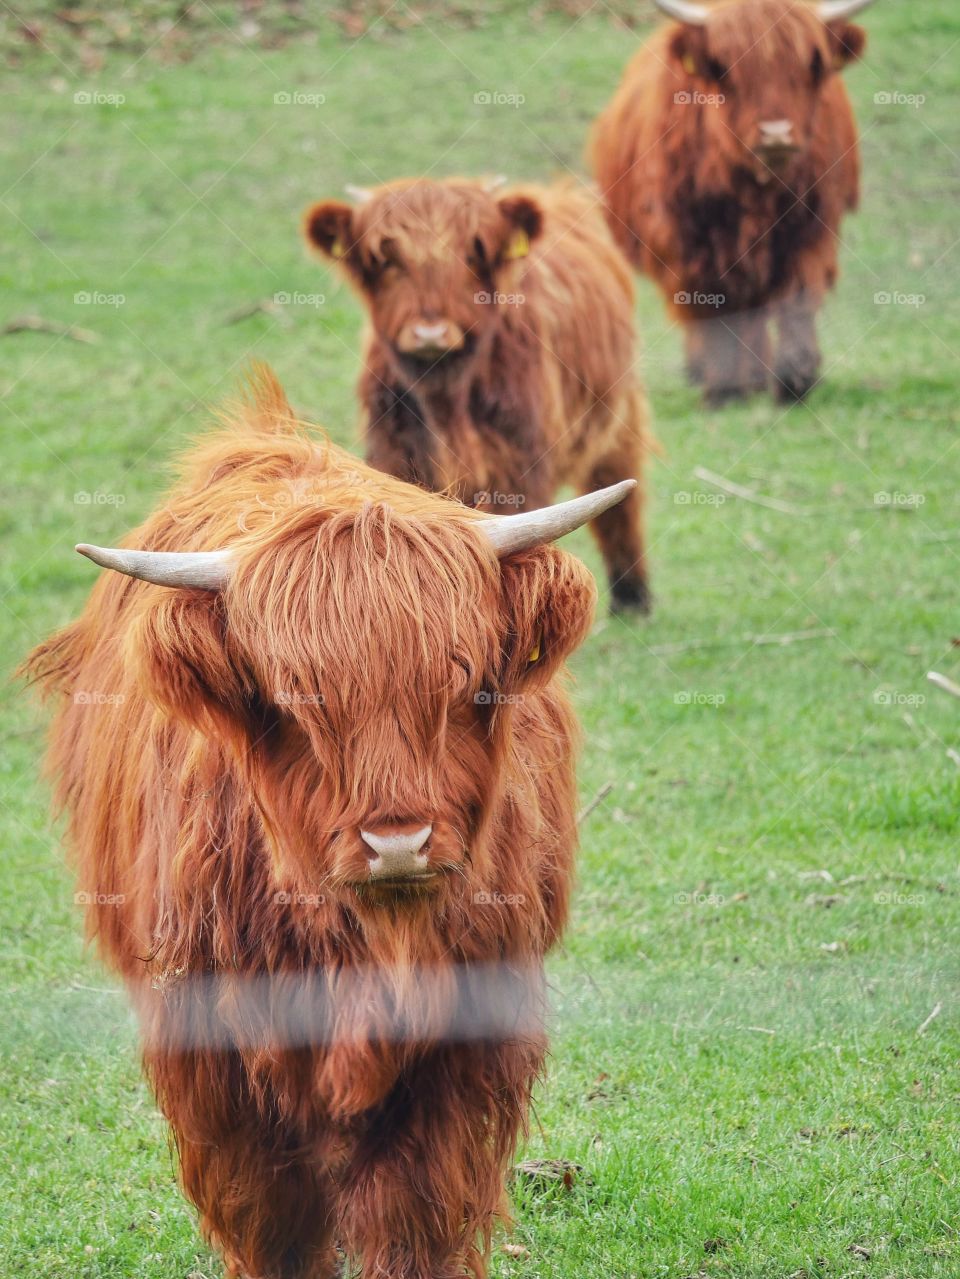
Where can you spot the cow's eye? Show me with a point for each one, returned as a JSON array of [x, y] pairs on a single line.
[[717, 70], [818, 68]]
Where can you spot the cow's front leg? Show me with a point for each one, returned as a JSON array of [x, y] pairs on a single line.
[[798, 357], [736, 355], [264, 1198], [425, 1182]]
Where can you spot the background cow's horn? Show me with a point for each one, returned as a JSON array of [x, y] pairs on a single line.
[[834, 10], [510, 533], [359, 195], [205, 570], [695, 14]]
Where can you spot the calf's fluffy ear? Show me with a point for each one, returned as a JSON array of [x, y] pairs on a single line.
[[847, 41], [328, 226], [180, 653], [689, 46], [549, 599], [524, 219]]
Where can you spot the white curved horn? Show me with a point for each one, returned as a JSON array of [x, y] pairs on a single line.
[[204, 570], [359, 195], [510, 533], [684, 11], [494, 184], [834, 10]]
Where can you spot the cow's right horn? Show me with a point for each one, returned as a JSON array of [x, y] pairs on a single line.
[[203, 570], [834, 10], [510, 533], [684, 11]]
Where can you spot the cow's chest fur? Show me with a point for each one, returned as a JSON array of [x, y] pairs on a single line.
[[743, 243]]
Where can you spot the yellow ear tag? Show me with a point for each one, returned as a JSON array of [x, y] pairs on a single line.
[[336, 249], [519, 245], [689, 65], [534, 654]]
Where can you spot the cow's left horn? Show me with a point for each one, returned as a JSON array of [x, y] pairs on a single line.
[[510, 533], [359, 195], [204, 570], [834, 10], [694, 14]]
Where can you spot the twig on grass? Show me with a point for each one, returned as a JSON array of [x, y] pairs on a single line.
[[788, 637], [749, 495], [37, 324], [264, 306], [937, 1010], [597, 800]]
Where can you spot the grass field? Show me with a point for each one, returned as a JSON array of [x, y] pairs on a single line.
[[768, 907]]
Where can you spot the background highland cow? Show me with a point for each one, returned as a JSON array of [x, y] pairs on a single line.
[[500, 358], [728, 158]]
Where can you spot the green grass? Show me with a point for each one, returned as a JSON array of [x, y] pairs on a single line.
[[768, 901]]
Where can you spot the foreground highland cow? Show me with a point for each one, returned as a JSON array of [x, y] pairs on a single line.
[[499, 362], [728, 158], [318, 769]]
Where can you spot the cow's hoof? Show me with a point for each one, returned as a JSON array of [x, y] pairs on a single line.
[[631, 597], [793, 383], [715, 397]]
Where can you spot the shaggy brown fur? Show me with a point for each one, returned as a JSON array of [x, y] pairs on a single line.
[[370, 661], [698, 202], [525, 379]]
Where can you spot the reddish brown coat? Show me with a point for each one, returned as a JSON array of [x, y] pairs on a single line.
[[526, 377], [369, 658], [733, 214]]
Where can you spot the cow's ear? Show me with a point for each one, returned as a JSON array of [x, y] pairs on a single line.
[[549, 599], [328, 226], [180, 652], [689, 46], [524, 219], [847, 42]]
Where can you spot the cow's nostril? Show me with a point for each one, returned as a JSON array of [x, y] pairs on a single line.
[[776, 132], [430, 332], [398, 844]]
